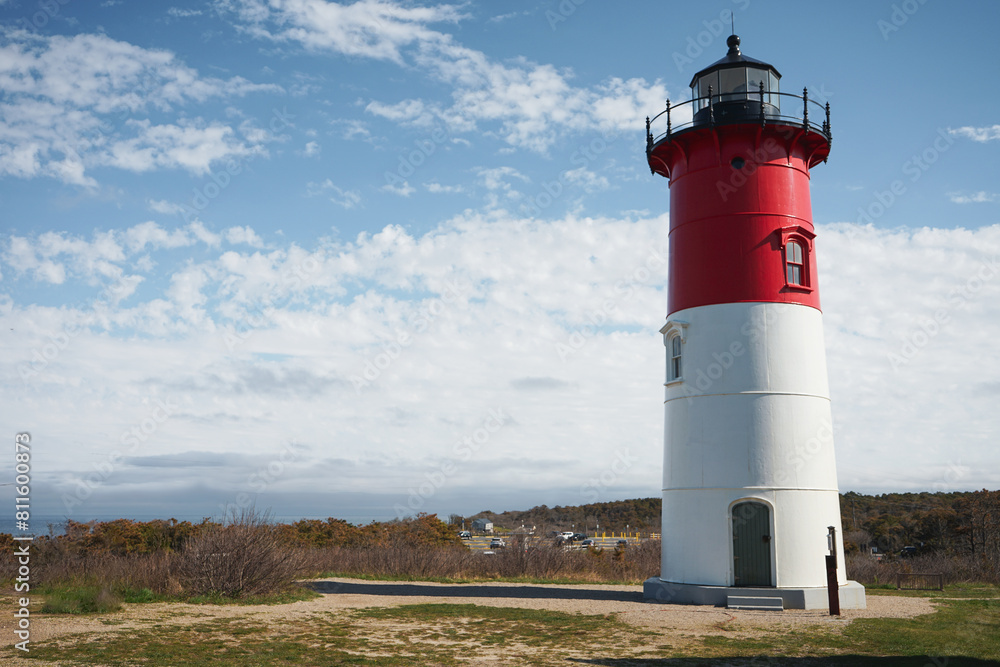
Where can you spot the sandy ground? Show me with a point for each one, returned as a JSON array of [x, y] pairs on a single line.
[[624, 601]]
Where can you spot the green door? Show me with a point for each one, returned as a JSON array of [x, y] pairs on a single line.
[[751, 544]]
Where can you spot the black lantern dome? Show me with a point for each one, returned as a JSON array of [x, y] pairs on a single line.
[[736, 85]]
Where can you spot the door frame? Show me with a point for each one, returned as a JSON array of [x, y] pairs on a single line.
[[771, 544]]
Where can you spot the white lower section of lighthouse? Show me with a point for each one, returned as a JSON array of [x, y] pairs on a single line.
[[749, 473]]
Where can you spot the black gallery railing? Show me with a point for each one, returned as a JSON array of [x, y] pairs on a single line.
[[761, 107]]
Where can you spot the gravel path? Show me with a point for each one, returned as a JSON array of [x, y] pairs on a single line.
[[626, 601]]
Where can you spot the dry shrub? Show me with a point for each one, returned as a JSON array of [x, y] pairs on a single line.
[[866, 570], [635, 563], [249, 556], [244, 557], [135, 572]]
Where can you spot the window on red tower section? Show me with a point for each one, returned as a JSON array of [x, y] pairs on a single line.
[[795, 263], [675, 358]]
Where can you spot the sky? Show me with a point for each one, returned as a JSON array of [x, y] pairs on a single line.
[[370, 259]]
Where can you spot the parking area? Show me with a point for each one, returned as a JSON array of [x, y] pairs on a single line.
[[482, 542]]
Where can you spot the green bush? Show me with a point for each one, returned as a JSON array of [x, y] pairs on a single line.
[[133, 596]]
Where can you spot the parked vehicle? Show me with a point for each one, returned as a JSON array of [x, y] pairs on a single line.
[[465, 535], [577, 537], [497, 543], [567, 534], [589, 542], [621, 544]]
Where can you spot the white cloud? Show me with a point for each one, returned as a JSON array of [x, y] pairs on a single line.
[[975, 198], [145, 263], [484, 302], [246, 235], [413, 113], [353, 129], [103, 259], [586, 179], [47, 255], [533, 104], [500, 18], [190, 146], [403, 189], [367, 28], [201, 233], [125, 285], [151, 234], [311, 149], [979, 134], [345, 198], [50, 272], [437, 188], [499, 178], [499, 183], [181, 13], [164, 206], [75, 102], [185, 292], [70, 170]]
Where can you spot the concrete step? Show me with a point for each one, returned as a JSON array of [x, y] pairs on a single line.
[[764, 603]]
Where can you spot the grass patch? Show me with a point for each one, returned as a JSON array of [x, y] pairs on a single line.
[[968, 628], [962, 632], [988, 591], [295, 593], [198, 645], [508, 635], [880, 587], [560, 581], [142, 595], [413, 635], [533, 627], [236, 643], [80, 599], [94, 598]]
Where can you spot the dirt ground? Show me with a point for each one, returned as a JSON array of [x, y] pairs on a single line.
[[338, 594]]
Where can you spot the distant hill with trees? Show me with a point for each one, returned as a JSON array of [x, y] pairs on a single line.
[[961, 522], [639, 514]]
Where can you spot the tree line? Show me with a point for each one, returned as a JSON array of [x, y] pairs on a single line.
[[125, 537], [638, 514], [962, 522]]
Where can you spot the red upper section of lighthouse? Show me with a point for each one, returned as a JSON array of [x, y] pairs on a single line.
[[740, 214]]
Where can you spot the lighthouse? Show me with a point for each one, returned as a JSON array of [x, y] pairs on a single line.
[[751, 508]]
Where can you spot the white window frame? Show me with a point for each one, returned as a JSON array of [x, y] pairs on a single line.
[[676, 357], [674, 329], [791, 264]]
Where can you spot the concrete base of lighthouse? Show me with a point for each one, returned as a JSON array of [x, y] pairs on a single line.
[[654, 589]]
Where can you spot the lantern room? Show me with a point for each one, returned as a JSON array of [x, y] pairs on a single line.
[[736, 85], [734, 91]]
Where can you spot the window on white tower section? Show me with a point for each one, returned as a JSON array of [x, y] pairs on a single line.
[[795, 264], [675, 358]]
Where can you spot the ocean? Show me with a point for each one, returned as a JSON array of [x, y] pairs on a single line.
[[36, 525]]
